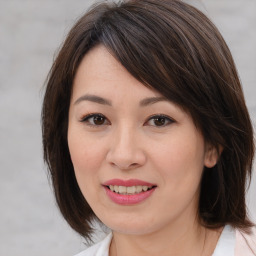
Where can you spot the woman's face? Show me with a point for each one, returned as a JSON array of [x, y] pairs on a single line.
[[138, 158]]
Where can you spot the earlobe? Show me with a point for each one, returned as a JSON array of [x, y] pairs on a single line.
[[212, 155]]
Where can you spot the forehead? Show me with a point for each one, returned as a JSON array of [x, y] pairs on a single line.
[[100, 73], [98, 62]]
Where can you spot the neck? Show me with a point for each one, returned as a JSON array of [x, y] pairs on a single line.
[[184, 240]]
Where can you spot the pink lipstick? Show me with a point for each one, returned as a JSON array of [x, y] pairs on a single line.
[[128, 192]]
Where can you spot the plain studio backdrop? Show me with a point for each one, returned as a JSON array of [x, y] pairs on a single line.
[[30, 33]]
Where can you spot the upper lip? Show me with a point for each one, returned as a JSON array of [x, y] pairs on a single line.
[[128, 183]]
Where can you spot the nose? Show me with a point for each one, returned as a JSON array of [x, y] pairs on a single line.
[[125, 151]]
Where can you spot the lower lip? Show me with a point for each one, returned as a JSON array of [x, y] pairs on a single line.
[[128, 199]]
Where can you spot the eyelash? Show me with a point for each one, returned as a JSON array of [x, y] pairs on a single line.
[[167, 120], [86, 119]]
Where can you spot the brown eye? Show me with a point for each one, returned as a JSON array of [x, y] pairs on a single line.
[[159, 121], [98, 120], [95, 120]]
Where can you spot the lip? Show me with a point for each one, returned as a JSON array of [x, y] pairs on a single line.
[[128, 183], [128, 199]]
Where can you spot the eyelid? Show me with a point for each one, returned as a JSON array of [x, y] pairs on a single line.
[[171, 120], [85, 119], [87, 116]]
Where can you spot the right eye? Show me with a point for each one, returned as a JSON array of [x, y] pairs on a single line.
[[95, 120]]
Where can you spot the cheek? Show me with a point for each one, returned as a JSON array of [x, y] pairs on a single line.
[[87, 161], [180, 159], [87, 158], [83, 150], [180, 153]]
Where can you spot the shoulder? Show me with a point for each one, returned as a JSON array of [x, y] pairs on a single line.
[[245, 244], [234, 242], [99, 249]]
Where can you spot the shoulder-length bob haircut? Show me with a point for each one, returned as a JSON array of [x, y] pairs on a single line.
[[175, 49]]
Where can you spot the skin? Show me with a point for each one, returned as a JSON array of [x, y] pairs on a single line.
[[127, 143]]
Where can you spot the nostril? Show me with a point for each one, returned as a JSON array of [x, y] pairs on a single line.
[[124, 165]]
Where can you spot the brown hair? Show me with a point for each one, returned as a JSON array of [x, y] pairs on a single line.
[[172, 47]]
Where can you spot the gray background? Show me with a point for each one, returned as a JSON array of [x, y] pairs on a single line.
[[30, 32]]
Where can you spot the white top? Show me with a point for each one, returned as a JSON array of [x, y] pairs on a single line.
[[231, 243], [99, 249], [226, 243]]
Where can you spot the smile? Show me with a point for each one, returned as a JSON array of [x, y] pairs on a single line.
[[129, 190]]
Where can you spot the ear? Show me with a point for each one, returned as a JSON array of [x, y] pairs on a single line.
[[212, 155]]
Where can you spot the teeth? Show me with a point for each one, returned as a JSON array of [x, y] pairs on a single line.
[[138, 189], [128, 190], [145, 188], [131, 190], [122, 189]]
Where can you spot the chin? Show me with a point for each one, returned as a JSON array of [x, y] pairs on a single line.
[[132, 231], [131, 227]]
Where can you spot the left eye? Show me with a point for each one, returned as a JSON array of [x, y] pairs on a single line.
[[159, 121], [95, 120]]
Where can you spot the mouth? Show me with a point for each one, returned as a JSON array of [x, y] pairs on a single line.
[[131, 190], [128, 192]]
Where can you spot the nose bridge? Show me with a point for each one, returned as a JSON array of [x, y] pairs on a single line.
[[125, 151], [125, 136]]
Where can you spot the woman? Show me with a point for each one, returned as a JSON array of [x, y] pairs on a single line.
[[145, 129]]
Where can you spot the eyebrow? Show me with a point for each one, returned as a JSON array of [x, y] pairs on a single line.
[[93, 98], [149, 101], [97, 99]]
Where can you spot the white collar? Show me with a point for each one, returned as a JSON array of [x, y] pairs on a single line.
[[226, 243]]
